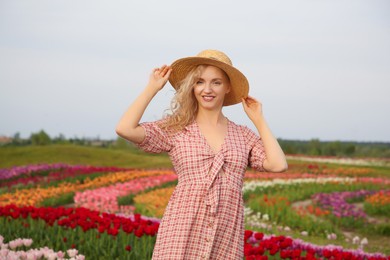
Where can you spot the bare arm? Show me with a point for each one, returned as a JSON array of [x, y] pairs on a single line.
[[276, 160], [128, 126]]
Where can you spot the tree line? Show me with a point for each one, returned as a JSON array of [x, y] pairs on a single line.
[[42, 138], [313, 147]]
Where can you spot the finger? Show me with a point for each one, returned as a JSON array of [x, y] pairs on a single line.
[[166, 77], [251, 101], [157, 72], [244, 104], [165, 70], [248, 100]]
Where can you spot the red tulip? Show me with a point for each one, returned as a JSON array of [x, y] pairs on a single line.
[[327, 253], [259, 236], [286, 243], [274, 249], [248, 234], [248, 249], [137, 217], [285, 254], [296, 253], [139, 232], [259, 250], [113, 231]]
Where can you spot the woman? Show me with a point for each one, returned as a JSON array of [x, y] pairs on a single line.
[[204, 218]]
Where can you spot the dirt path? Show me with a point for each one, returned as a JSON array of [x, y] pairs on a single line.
[[371, 219], [301, 203]]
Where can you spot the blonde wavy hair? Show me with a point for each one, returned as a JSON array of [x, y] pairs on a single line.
[[184, 105]]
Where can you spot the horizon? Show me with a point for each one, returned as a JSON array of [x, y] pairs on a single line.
[[98, 138], [320, 69]]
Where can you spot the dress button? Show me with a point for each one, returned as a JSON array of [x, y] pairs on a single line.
[[207, 240], [211, 224]]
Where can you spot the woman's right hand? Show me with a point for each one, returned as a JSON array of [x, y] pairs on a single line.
[[159, 77], [128, 126]]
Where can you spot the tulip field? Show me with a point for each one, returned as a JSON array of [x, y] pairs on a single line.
[[315, 210]]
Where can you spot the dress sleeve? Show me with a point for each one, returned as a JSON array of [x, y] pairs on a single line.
[[257, 153], [156, 139]]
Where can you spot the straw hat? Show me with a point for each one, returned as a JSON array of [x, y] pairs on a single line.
[[239, 83]]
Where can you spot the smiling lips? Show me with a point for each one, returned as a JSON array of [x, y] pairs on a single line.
[[208, 98]]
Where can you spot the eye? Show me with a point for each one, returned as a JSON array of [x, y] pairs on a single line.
[[199, 82], [217, 83]]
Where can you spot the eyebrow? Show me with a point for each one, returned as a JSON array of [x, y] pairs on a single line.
[[211, 79]]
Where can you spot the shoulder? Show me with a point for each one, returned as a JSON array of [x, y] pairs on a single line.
[[237, 127], [248, 134]]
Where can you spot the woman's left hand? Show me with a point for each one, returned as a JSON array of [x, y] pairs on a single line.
[[252, 107]]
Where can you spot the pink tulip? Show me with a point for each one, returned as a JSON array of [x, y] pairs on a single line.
[[104, 199], [27, 242], [60, 254], [72, 252]]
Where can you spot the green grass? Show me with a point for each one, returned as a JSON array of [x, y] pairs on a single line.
[[63, 200], [76, 154]]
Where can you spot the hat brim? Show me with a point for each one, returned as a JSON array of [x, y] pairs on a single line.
[[239, 83]]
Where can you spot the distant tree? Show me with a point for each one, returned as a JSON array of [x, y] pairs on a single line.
[[349, 149], [16, 140], [16, 136], [121, 143], [40, 138], [60, 139], [315, 147], [79, 141], [288, 147], [332, 148], [336, 148]]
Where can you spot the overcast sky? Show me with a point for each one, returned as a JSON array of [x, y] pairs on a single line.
[[320, 68]]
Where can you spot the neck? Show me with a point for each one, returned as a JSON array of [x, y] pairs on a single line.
[[210, 117]]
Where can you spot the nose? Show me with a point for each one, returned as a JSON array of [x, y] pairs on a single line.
[[207, 88]]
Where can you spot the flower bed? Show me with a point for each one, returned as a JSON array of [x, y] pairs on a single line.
[[35, 196], [50, 173], [133, 238], [154, 202], [274, 199], [378, 203], [105, 198], [10, 251], [337, 203], [252, 185], [96, 233], [17, 171], [260, 246]]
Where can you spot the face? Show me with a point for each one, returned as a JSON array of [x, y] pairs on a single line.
[[211, 87]]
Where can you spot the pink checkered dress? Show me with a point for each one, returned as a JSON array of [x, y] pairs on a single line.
[[204, 218]]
